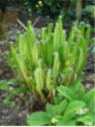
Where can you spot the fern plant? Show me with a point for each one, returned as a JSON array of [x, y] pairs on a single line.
[[42, 65]]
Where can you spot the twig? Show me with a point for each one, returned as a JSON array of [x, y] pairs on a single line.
[[20, 22], [22, 98], [35, 22]]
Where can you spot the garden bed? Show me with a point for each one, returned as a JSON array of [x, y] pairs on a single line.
[[17, 115]]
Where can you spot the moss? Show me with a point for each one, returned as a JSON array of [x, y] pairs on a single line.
[[1, 37]]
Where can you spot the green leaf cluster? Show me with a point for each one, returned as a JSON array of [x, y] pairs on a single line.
[[76, 108], [12, 91], [90, 9]]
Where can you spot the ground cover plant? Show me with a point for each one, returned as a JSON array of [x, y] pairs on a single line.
[[41, 65], [73, 107]]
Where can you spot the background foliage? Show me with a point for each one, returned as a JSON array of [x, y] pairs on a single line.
[[67, 8]]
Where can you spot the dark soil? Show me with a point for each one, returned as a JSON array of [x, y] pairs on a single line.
[[17, 115], [9, 115], [12, 115], [6, 72], [89, 77]]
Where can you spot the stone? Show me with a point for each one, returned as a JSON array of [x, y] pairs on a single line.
[[37, 32], [11, 14]]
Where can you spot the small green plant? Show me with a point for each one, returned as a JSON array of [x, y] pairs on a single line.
[[42, 65], [91, 10], [73, 107]]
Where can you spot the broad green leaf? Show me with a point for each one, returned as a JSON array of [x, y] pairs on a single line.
[[39, 119], [91, 111], [75, 86], [92, 107], [78, 88], [66, 92], [72, 107], [62, 106], [56, 109], [52, 109], [66, 123], [58, 99], [80, 92], [89, 96], [87, 120]]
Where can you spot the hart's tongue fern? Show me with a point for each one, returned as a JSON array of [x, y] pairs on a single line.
[[51, 61]]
